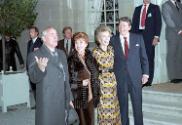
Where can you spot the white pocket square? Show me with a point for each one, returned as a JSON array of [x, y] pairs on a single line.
[[137, 45], [149, 15]]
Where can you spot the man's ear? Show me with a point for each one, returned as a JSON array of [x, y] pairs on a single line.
[[129, 27]]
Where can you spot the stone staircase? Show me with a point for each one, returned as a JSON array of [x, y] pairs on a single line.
[[160, 108]]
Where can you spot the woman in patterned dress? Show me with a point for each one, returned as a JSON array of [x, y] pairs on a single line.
[[108, 108]]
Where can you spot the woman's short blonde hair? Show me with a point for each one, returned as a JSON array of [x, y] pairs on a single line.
[[100, 29]]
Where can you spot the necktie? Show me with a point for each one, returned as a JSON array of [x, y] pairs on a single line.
[[126, 47], [54, 53], [31, 46], [144, 12], [177, 7], [67, 48]]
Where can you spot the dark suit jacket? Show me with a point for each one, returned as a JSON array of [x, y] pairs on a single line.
[[135, 65], [61, 46], [153, 22], [37, 44], [11, 48]]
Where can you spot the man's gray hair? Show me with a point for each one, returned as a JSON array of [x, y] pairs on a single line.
[[44, 32]]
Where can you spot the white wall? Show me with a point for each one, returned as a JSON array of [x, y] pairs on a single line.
[[59, 13]]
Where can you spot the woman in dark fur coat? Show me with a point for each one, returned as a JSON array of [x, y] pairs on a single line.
[[83, 79]]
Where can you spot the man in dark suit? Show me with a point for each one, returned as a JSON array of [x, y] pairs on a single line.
[[131, 70], [147, 21], [35, 41], [34, 44], [11, 48], [66, 44]]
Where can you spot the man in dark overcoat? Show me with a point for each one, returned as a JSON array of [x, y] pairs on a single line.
[[48, 69]]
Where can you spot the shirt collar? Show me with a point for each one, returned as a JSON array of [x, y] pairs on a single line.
[[34, 39], [122, 37], [146, 4], [173, 1]]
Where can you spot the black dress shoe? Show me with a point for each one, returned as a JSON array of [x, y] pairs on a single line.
[[176, 80], [33, 108], [146, 84]]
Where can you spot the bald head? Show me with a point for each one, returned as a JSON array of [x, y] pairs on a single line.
[[50, 37]]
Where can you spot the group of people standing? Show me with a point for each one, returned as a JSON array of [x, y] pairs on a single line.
[[101, 78], [68, 72]]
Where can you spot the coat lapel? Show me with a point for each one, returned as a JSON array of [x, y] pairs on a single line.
[[132, 44], [119, 48], [173, 7], [149, 11]]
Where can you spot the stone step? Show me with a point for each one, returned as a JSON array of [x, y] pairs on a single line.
[[173, 99], [151, 118], [163, 109], [160, 108], [162, 102]]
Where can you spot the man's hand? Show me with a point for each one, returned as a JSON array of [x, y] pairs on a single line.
[[145, 79], [41, 62], [155, 41], [180, 33]]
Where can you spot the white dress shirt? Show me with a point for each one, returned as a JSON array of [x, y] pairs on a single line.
[[122, 42], [69, 44], [34, 39]]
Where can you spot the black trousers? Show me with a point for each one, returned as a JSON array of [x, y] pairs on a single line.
[[150, 50]]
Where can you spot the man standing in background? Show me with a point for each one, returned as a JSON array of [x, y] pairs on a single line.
[[11, 48], [147, 21], [34, 43], [172, 13], [66, 44]]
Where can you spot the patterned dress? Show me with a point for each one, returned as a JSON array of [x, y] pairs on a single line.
[[108, 108]]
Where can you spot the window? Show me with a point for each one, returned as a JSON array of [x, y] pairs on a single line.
[[102, 12], [110, 14]]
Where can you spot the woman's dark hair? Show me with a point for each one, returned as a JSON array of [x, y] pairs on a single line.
[[81, 35]]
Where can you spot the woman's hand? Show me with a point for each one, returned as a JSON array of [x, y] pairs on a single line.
[[85, 82], [71, 104]]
